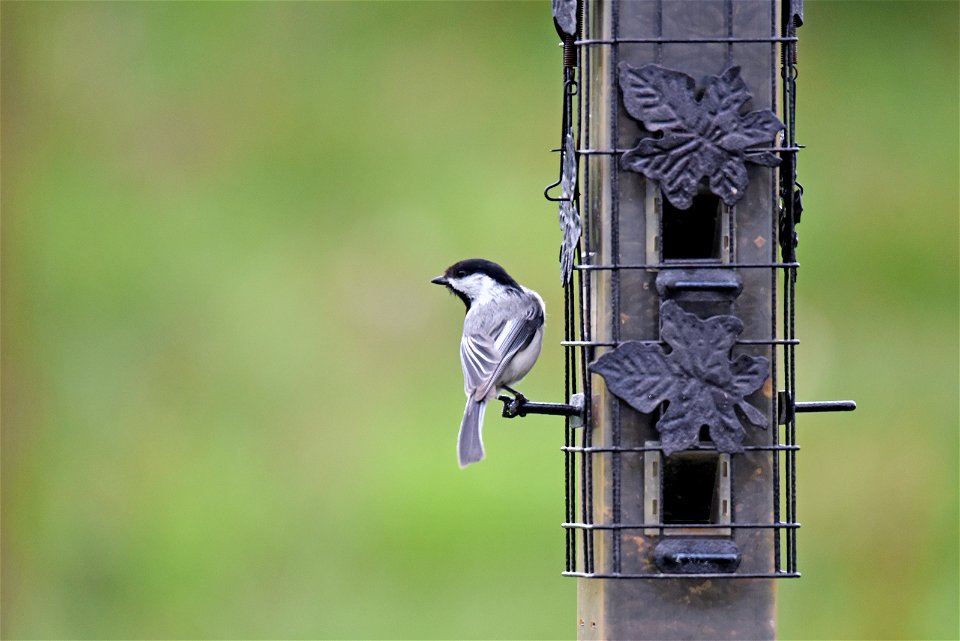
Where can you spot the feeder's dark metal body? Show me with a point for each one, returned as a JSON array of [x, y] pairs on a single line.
[[678, 204], [633, 295]]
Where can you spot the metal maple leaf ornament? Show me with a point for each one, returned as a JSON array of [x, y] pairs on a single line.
[[565, 16], [702, 136], [702, 385], [569, 216]]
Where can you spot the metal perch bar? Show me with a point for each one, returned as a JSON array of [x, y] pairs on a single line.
[[520, 406], [825, 406]]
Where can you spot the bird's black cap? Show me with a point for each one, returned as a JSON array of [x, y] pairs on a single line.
[[477, 266]]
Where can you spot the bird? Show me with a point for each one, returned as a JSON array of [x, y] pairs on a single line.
[[502, 338]]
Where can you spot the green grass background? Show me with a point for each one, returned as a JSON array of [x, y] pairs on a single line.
[[231, 396]]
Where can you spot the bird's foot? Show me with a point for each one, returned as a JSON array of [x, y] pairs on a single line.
[[513, 407]]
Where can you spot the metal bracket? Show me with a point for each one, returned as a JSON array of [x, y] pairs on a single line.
[[788, 407], [520, 406]]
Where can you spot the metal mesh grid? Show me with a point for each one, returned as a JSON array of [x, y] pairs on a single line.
[[583, 523]]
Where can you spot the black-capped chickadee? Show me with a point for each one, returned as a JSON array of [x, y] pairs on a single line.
[[502, 336]]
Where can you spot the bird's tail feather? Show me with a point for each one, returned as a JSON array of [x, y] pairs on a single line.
[[470, 442]]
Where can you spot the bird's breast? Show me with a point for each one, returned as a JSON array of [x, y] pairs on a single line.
[[522, 361]]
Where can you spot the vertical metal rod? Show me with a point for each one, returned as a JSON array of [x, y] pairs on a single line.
[[568, 466], [774, 234], [790, 278], [586, 461], [615, 280], [658, 56], [570, 68], [728, 17]]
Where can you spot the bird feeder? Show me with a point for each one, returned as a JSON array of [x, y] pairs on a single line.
[[678, 201]]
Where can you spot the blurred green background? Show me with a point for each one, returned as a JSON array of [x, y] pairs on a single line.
[[231, 396]]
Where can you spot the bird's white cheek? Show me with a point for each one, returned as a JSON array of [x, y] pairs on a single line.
[[471, 286]]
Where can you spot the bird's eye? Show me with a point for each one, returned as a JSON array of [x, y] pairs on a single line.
[[461, 273]]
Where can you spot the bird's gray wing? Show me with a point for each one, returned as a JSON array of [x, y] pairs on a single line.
[[485, 355], [479, 358]]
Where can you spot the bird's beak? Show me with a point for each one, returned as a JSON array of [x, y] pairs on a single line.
[[439, 280]]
